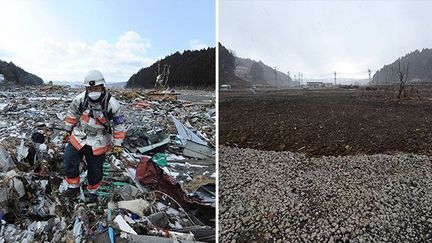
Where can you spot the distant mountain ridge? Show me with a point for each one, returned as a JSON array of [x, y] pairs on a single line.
[[270, 77], [18, 76], [244, 72], [420, 68], [195, 69]]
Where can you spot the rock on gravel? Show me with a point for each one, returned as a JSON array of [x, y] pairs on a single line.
[[269, 196]]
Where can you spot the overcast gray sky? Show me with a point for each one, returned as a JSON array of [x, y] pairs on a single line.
[[319, 37]]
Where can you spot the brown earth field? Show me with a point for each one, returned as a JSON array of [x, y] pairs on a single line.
[[326, 122]]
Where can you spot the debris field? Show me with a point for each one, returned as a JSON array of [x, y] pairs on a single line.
[[161, 189]]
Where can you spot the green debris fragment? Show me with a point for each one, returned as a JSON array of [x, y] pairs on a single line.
[[160, 159]]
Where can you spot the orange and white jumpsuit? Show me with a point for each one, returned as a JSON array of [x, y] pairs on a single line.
[[89, 133]]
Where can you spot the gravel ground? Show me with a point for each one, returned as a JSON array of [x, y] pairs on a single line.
[[289, 197]]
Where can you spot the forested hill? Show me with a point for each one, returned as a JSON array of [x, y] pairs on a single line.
[[227, 69], [16, 75], [419, 68], [190, 69]]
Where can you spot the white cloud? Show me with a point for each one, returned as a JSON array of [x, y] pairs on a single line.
[[197, 45], [52, 59]]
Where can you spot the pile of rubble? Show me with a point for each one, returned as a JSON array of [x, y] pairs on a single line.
[[162, 188]]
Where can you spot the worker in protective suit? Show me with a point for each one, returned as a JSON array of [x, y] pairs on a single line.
[[94, 123]]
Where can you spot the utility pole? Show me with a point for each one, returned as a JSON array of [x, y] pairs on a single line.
[[369, 71], [335, 77], [288, 73], [275, 72], [299, 78]]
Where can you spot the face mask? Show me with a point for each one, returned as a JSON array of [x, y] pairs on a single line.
[[94, 95]]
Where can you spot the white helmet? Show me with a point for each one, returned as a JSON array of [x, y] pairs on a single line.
[[93, 78]]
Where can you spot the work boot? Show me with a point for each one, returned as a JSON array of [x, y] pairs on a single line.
[[71, 193]]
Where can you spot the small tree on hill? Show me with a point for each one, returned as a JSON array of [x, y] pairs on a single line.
[[402, 70]]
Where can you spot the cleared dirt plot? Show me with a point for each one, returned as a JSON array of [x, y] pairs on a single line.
[[326, 122]]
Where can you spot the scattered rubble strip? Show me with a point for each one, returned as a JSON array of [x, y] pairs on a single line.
[[295, 198], [162, 188]]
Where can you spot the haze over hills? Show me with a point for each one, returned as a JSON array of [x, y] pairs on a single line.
[[18, 76], [190, 69], [258, 73], [244, 72], [419, 68], [244, 69]]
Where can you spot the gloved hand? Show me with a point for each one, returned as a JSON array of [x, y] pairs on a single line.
[[117, 151], [66, 137]]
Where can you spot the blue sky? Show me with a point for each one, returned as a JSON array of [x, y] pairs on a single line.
[[60, 40]]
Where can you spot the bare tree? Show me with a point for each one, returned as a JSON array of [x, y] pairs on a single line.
[[402, 70]]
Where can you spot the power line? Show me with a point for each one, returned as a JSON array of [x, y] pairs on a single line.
[[331, 75]]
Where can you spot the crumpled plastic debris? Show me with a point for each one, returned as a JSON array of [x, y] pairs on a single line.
[[128, 192], [77, 230], [137, 206], [124, 226], [159, 219], [160, 159], [18, 186], [6, 162], [194, 146], [22, 151]]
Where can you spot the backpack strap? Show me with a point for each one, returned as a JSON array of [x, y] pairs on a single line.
[[105, 103], [107, 114], [84, 104]]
